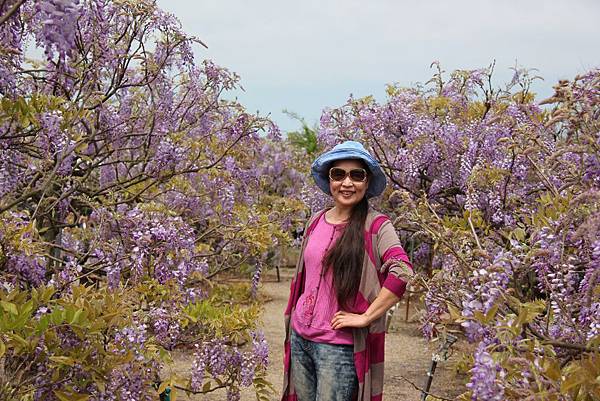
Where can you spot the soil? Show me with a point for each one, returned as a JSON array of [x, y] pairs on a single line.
[[407, 355]]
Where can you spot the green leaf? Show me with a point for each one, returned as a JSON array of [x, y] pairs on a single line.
[[552, 369], [9, 307], [455, 314], [99, 382], [63, 360], [2, 348], [76, 317], [62, 396], [489, 316], [69, 314], [479, 316], [19, 340], [519, 234], [571, 382], [57, 316], [27, 307], [71, 396], [42, 324]]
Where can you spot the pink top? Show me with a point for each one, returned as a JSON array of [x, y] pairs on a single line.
[[310, 322]]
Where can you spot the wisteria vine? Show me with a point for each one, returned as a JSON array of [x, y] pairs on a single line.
[[127, 179]]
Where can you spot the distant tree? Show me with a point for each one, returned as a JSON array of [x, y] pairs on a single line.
[[306, 137]]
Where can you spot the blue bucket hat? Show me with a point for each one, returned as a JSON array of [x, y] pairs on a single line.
[[348, 150]]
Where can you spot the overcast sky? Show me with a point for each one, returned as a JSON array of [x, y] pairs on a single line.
[[310, 54]]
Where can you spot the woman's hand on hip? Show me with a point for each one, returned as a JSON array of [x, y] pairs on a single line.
[[346, 319]]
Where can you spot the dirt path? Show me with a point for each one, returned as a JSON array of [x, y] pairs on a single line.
[[407, 353]]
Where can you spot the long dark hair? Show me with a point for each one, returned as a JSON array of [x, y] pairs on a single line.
[[346, 256]]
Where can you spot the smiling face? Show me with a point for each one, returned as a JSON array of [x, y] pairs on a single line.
[[347, 193]]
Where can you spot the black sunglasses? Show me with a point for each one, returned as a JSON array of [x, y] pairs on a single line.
[[339, 174]]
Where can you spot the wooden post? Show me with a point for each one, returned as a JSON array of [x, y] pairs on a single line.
[[279, 260]]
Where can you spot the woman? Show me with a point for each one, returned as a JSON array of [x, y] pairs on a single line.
[[351, 270]]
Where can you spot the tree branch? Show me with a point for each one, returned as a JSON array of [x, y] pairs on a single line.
[[10, 12], [422, 390]]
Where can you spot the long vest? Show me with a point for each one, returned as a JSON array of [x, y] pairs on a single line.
[[369, 342]]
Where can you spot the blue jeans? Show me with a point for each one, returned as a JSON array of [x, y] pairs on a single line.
[[322, 372]]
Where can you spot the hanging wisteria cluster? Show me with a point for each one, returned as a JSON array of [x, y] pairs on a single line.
[[497, 198], [125, 172]]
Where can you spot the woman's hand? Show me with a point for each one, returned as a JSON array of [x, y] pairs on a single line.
[[384, 300], [346, 319]]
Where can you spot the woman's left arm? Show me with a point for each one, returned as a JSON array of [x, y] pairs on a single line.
[[384, 301]]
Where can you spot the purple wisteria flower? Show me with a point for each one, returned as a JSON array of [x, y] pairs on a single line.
[[218, 359], [256, 279], [486, 375], [57, 26]]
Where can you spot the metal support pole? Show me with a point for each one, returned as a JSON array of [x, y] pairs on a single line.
[[407, 303], [411, 252], [441, 355], [430, 374]]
